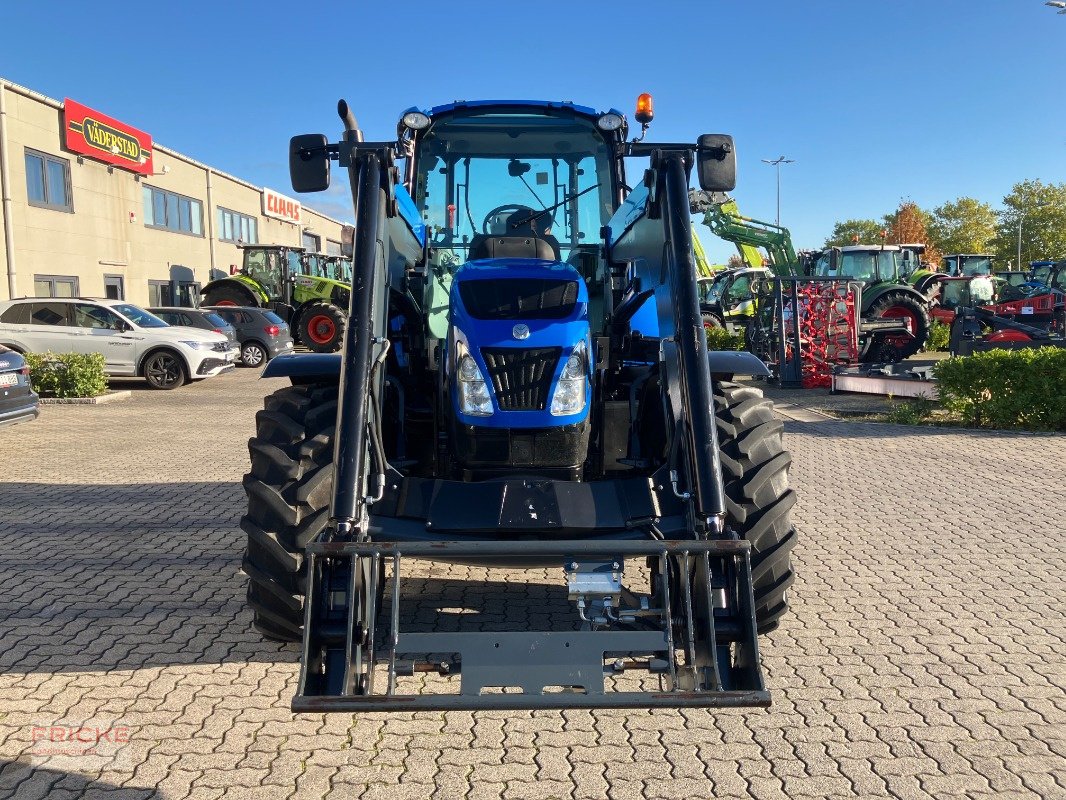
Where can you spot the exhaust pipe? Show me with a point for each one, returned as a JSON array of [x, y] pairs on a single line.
[[351, 127]]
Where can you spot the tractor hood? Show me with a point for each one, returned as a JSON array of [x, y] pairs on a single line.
[[518, 301]]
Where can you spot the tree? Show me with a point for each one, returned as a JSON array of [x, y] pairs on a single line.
[[1040, 209], [965, 225], [844, 233], [909, 225], [735, 262]]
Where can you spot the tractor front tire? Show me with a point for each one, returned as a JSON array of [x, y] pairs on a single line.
[[289, 488], [229, 295], [900, 305], [322, 327], [759, 501], [712, 320]]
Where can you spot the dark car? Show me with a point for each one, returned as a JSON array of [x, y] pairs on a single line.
[[18, 401], [262, 333], [202, 318]]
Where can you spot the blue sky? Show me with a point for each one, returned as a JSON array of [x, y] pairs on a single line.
[[875, 101]]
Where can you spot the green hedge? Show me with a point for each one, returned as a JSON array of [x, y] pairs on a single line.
[[67, 374], [721, 339], [1007, 389]]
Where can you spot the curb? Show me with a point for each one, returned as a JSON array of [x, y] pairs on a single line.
[[110, 397]]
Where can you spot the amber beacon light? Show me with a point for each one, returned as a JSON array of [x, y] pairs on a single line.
[[645, 109]]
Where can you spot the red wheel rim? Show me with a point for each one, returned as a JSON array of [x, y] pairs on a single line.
[[225, 303], [321, 329], [904, 313]]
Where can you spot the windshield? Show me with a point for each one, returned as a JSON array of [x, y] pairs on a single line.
[[861, 265], [215, 319], [977, 265], [139, 317], [475, 170]]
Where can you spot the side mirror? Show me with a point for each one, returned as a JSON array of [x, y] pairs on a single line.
[[716, 160], [309, 162], [124, 327]]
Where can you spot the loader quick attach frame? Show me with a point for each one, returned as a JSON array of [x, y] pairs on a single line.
[[695, 632], [554, 669]]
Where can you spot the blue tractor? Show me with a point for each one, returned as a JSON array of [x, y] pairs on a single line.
[[524, 384]]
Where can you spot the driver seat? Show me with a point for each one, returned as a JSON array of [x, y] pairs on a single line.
[[521, 241]]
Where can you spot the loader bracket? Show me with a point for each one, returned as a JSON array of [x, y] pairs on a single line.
[[693, 639]]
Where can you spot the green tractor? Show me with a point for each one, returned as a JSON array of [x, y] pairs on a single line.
[[729, 299], [886, 294], [310, 291]]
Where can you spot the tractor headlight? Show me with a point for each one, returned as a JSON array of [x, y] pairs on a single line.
[[569, 397], [473, 391]]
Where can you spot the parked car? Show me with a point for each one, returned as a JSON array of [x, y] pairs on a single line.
[[202, 318], [134, 343], [18, 401], [262, 333]]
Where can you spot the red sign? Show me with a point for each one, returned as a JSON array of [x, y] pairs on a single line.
[[280, 207], [106, 139]]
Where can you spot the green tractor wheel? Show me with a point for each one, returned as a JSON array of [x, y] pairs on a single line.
[[229, 293], [900, 305], [322, 327]]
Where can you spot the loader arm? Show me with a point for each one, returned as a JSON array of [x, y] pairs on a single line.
[[727, 223]]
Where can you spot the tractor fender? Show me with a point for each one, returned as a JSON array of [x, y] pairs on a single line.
[[736, 362], [873, 294], [245, 284], [305, 367]]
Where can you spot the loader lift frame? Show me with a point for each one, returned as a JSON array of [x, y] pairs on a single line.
[[704, 569]]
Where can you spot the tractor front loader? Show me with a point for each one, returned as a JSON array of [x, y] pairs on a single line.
[[524, 385]]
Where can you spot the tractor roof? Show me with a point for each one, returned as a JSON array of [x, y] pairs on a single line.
[[968, 255], [448, 108], [271, 247], [865, 248]]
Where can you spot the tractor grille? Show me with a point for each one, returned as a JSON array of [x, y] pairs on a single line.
[[521, 378], [519, 298]]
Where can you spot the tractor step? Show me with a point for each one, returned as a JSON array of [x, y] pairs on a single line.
[[697, 648]]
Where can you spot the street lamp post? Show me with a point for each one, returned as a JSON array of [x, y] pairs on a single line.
[[1021, 219], [776, 163]]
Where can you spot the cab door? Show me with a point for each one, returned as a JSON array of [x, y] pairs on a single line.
[[50, 328], [100, 330]]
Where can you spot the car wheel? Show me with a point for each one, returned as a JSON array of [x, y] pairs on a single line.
[[164, 370], [253, 354]]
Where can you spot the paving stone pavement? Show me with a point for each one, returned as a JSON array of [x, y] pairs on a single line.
[[924, 657]]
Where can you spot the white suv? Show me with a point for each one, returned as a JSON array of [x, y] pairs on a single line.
[[133, 342]]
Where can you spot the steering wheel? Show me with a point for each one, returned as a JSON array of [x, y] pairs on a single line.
[[510, 207]]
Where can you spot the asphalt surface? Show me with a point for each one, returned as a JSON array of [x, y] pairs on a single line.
[[923, 658]]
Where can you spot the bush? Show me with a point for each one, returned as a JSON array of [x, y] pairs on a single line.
[[1024, 389], [67, 374], [722, 339], [939, 338], [913, 411]]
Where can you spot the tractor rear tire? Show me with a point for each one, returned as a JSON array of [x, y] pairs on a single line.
[[759, 501], [288, 487], [322, 327], [893, 305], [229, 295], [712, 320]]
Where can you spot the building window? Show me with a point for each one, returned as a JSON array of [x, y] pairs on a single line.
[[160, 294], [333, 248], [235, 227], [114, 287], [312, 243], [55, 286], [172, 212], [48, 181]]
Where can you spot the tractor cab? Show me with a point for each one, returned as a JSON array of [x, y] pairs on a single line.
[[868, 264], [273, 268], [964, 265]]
